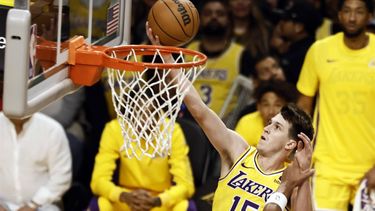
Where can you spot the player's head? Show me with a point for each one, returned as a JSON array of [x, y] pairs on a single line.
[[215, 18], [354, 15], [271, 96], [280, 136], [266, 68]]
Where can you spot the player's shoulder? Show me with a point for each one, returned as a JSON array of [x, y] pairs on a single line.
[[237, 46], [113, 124], [47, 122], [328, 41]]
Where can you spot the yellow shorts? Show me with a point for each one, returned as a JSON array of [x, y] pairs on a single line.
[[332, 189]]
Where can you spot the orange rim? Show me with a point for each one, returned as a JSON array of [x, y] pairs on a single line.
[[141, 50], [86, 62]]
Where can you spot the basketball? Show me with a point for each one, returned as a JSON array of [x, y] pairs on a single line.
[[176, 22]]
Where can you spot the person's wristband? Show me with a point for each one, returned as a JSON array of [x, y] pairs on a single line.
[[279, 199]]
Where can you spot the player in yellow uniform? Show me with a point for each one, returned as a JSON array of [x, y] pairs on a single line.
[[163, 183], [246, 184], [223, 64], [342, 69], [236, 190], [216, 80]]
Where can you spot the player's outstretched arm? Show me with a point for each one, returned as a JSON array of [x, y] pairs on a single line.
[[228, 143]]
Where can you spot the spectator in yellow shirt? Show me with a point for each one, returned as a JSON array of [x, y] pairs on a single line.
[[148, 184], [270, 97]]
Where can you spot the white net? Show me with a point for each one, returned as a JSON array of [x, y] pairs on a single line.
[[147, 104]]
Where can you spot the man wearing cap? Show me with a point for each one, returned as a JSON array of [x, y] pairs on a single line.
[[294, 34]]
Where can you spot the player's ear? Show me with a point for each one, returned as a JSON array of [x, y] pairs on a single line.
[[291, 144]]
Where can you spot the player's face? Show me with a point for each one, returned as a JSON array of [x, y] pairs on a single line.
[[354, 17], [240, 8], [268, 69], [275, 136], [214, 18], [269, 105]]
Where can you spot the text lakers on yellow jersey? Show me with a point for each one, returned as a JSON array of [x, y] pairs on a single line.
[[246, 186]]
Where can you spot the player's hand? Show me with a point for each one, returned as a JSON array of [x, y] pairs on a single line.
[[292, 177], [370, 176], [154, 39], [26, 208], [304, 152]]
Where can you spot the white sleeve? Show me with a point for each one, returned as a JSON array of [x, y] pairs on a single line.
[[60, 169]]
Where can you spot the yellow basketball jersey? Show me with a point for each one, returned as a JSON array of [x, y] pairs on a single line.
[[345, 80], [250, 127], [215, 81], [246, 186]]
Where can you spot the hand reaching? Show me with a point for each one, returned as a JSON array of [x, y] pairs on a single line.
[[154, 39], [304, 152]]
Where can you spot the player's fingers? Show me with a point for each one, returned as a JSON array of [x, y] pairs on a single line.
[[157, 40], [299, 146], [308, 173], [305, 139]]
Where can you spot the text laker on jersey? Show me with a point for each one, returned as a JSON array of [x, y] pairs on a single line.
[[242, 181]]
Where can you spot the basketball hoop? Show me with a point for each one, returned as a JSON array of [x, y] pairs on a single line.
[[146, 102]]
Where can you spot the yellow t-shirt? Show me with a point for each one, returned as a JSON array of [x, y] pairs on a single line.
[[345, 80], [170, 178], [246, 187], [250, 127], [215, 81], [9, 3]]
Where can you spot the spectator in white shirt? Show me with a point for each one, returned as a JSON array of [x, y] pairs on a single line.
[[35, 163]]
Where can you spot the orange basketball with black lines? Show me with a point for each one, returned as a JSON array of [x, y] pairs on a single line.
[[176, 22]]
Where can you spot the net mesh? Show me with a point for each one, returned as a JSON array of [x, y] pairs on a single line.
[[147, 103]]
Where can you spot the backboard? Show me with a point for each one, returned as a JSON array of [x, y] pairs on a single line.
[[31, 83]]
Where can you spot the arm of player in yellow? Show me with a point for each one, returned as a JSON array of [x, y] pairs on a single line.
[[305, 103], [181, 171], [105, 164], [308, 81], [227, 142]]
